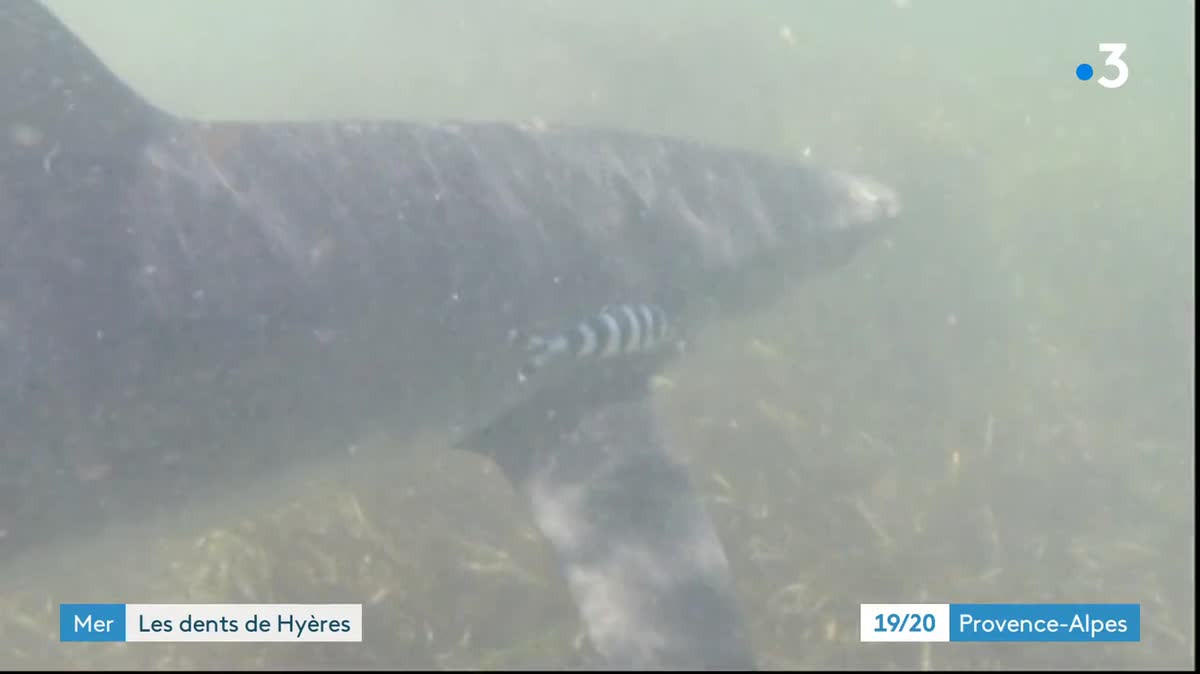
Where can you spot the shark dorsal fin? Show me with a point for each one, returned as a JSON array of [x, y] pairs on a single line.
[[58, 97]]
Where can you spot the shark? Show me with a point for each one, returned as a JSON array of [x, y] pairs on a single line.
[[168, 282]]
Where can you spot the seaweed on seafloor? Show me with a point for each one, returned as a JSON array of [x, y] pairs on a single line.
[[437, 590]]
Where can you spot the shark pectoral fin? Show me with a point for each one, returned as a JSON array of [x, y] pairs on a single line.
[[639, 552]]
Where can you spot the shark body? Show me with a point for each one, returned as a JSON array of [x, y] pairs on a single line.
[[164, 279]]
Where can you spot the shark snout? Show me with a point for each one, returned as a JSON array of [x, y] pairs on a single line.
[[877, 200], [866, 201]]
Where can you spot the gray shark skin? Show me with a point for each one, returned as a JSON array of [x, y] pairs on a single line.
[[172, 284]]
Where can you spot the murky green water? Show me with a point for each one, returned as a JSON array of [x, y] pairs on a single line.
[[994, 404]]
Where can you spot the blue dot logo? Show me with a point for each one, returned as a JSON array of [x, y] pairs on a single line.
[[1083, 72]]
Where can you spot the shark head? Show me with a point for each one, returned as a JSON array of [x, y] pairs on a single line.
[[772, 226], [861, 209]]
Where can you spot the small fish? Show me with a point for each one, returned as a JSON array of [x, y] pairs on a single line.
[[616, 330]]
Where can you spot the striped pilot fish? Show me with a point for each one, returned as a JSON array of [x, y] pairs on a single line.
[[616, 330]]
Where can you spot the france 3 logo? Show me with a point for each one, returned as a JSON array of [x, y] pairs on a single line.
[[1115, 51]]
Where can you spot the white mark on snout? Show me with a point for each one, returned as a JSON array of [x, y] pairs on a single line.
[[24, 135]]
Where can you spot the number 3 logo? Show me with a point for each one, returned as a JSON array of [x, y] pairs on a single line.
[[1114, 51]]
